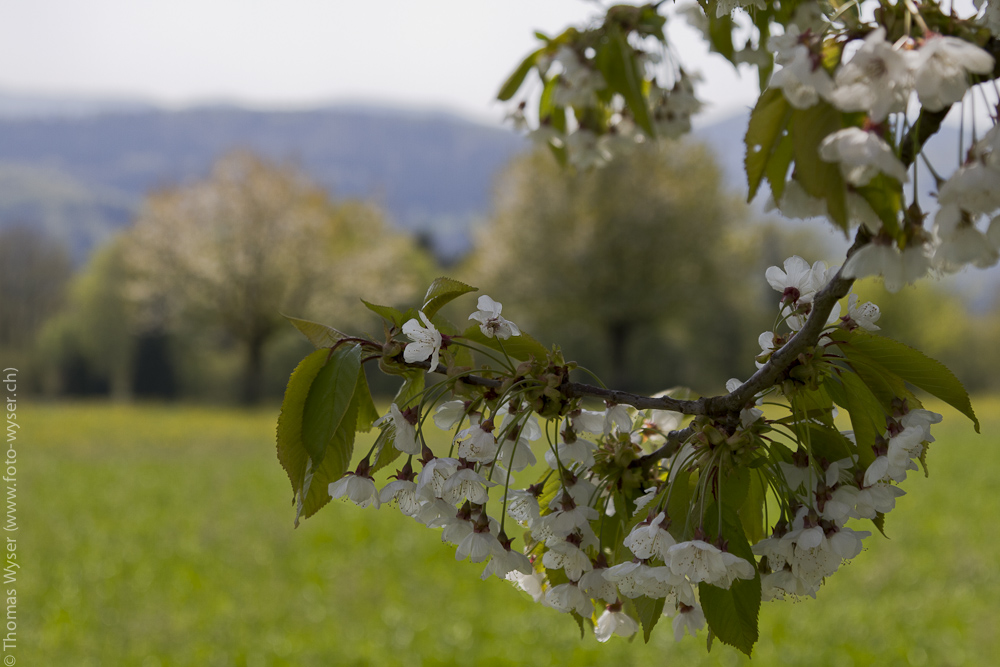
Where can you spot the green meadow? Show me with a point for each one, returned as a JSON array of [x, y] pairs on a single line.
[[157, 536]]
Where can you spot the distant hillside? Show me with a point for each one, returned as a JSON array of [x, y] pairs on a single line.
[[81, 175], [79, 168]]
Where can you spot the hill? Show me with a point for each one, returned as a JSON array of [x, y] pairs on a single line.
[[81, 174]]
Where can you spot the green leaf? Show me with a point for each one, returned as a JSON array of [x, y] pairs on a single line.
[[617, 62], [329, 399], [720, 32], [734, 487], [818, 178], [292, 453], [767, 123], [516, 78], [732, 614], [316, 486], [752, 511], [649, 611], [867, 415], [391, 314], [824, 442], [441, 291], [911, 365], [319, 335], [777, 168], [885, 195], [367, 412], [520, 347]]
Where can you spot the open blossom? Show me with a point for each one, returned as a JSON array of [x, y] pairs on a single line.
[[941, 69], [358, 488], [568, 597], [865, 315], [403, 492], [802, 79], [477, 443], [426, 341], [799, 282], [490, 321], [861, 155], [690, 618], [896, 268], [569, 557], [615, 623], [406, 435], [876, 80], [650, 540], [466, 484]]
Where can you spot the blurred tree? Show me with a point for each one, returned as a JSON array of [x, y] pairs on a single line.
[[34, 272], [90, 344], [615, 251], [255, 240]]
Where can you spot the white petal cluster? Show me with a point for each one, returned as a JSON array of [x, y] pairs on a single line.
[[941, 68], [877, 80], [897, 268], [861, 156], [491, 323], [615, 623], [426, 341]]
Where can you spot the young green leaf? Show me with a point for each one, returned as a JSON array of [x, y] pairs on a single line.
[[367, 412], [292, 453], [315, 491], [649, 611], [441, 291], [617, 62], [320, 335], [818, 178], [732, 613], [390, 314], [911, 365], [764, 134], [516, 78], [328, 401], [867, 415]]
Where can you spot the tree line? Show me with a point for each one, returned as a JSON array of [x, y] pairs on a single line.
[[188, 302]]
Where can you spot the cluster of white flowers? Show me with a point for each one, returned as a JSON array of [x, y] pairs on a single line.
[[880, 79], [565, 565], [880, 76]]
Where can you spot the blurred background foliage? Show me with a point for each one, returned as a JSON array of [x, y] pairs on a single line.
[[649, 272]]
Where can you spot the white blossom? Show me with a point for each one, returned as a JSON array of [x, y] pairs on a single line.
[[690, 619], [426, 341], [876, 80], [614, 623], [569, 557], [490, 321], [941, 69], [449, 414], [865, 315], [406, 435], [403, 492], [896, 268], [802, 79], [861, 155], [568, 597], [650, 540], [466, 484], [477, 547], [477, 443], [358, 488]]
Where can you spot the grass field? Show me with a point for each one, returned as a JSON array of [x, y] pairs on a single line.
[[163, 536]]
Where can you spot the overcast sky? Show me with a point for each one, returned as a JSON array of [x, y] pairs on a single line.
[[444, 54]]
